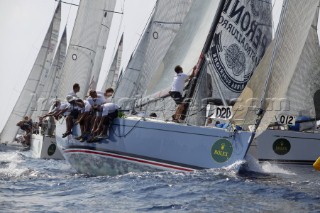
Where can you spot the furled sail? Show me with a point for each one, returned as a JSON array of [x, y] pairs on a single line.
[[26, 102], [293, 61], [163, 27], [83, 46], [103, 38], [113, 74], [50, 89]]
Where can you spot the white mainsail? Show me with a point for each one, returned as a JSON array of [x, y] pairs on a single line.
[[32, 89], [103, 38], [160, 33], [294, 61], [83, 46], [113, 74]]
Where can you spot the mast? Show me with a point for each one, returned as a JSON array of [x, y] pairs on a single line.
[[201, 61]]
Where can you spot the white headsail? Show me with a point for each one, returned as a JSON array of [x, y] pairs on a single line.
[[83, 46], [31, 91]]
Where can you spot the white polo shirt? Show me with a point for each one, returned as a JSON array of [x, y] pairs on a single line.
[[178, 82], [109, 108]]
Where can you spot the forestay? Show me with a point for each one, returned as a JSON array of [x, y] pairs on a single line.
[[32, 89]]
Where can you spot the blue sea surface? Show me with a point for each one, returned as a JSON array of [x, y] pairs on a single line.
[[37, 185]]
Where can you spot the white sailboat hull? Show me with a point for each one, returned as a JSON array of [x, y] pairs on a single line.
[[45, 148], [139, 145], [286, 147]]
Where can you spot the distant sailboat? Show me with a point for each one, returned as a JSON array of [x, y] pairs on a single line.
[[44, 145], [144, 144], [292, 91], [53, 79], [34, 85]]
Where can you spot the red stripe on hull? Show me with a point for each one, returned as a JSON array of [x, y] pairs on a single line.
[[131, 159]]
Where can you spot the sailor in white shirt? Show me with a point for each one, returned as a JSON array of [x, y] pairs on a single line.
[[75, 90], [85, 120], [176, 91], [109, 113], [74, 107]]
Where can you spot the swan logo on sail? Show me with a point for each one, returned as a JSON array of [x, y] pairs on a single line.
[[221, 150], [239, 42]]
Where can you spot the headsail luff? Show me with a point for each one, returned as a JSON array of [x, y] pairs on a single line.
[[103, 38], [83, 47], [163, 27], [34, 83], [112, 76], [50, 91], [296, 61]]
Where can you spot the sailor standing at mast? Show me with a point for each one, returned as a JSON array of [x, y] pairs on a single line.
[[176, 91]]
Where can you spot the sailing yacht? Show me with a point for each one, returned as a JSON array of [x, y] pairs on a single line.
[[44, 145], [293, 138], [145, 144], [33, 88], [291, 60]]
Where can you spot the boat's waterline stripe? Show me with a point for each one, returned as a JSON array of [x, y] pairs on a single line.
[[139, 160]]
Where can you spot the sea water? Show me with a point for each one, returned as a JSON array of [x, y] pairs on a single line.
[[37, 185]]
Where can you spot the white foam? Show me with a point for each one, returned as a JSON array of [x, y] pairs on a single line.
[[265, 167]]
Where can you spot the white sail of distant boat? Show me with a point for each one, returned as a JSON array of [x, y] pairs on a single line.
[[292, 61], [32, 89], [113, 74], [103, 38], [165, 23], [84, 44], [50, 89]]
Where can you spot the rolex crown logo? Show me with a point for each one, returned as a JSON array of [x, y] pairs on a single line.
[[222, 146]]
